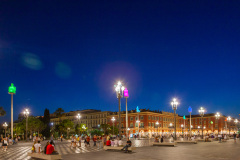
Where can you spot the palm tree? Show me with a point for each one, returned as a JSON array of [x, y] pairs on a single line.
[[2, 112], [59, 113]]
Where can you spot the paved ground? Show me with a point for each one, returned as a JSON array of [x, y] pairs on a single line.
[[201, 151]]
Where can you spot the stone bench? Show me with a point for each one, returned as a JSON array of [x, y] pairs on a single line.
[[117, 148], [203, 140], [194, 142], [45, 156], [169, 144]]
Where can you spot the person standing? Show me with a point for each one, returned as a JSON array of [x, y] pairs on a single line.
[[94, 140], [4, 143], [234, 136], [88, 141]]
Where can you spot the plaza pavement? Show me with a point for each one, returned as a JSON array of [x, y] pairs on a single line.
[[144, 151]]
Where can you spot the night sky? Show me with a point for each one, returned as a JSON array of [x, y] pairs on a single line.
[[70, 54]]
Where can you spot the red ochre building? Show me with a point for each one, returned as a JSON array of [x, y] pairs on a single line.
[[148, 126]]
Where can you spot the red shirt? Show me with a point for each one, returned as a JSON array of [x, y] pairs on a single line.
[[108, 143], [50, 149]]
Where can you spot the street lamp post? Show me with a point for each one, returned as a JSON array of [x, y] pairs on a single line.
[[119, 88], [157, 123], [78, 117], [138, 128], [174, 104], [217, 115], [113, 119], [236, 121], [12, 91], [126, 95], [190, 111], [26, 113], [201, 113], [5, 125], [229, 120], [182, 128]]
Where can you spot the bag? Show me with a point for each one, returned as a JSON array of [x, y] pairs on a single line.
[[5, 142]]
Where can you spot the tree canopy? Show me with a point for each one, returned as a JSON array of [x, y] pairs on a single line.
[[2, 112]]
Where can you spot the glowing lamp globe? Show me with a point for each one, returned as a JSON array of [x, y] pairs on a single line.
[[125, 93], [12, 89]]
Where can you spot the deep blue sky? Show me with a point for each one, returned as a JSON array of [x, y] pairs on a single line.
[[70, 54]]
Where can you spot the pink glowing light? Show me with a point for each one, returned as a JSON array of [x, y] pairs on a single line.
[[125, 92]]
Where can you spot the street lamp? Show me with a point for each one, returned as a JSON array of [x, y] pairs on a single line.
[[126, 95], [217, 115], [201, 113], [26, 113], [113, 119], [78, 117], [182, 126], [229, 120], [12, 91], [190, 111], [5, 125], [174, 104], [138, 126], [236, 121], [170, 127], [157, 123], [119, 88]]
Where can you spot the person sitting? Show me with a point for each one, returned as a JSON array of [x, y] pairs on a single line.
[[33, 147], [50, 149], [108, 143], [112, 143], [45, 148], [120, 143], [37, 147], [115, 142], [156, 139], [129, 144]]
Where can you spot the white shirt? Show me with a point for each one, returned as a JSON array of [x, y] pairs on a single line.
[[37, 146], [120, 142]]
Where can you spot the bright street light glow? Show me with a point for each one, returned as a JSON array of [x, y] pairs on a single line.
[[217, 115], [236, 121], [157, 123], [229, 118], [113, 119]]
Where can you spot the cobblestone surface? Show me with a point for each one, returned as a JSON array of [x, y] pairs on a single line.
[[144, 151]]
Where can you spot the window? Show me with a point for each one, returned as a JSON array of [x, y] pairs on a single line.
[[149, 117], [136, 118], [204, 122], [141, 117], [160, 125], [131, 124], [158, 118], [152, 124], [122, 124], [149, 124], [142, 124], [131, 118], [152, 118], [136, 124]]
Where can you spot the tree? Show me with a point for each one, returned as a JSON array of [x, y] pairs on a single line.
[[20, 117], [59, 113], [34, 124], [2, 112], [82, 128], [46, 121], [96, 132], [20, 128], [105, 128], [64, 125], [115, 132]]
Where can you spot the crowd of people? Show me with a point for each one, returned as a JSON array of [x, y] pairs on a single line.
[[8, 140]]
